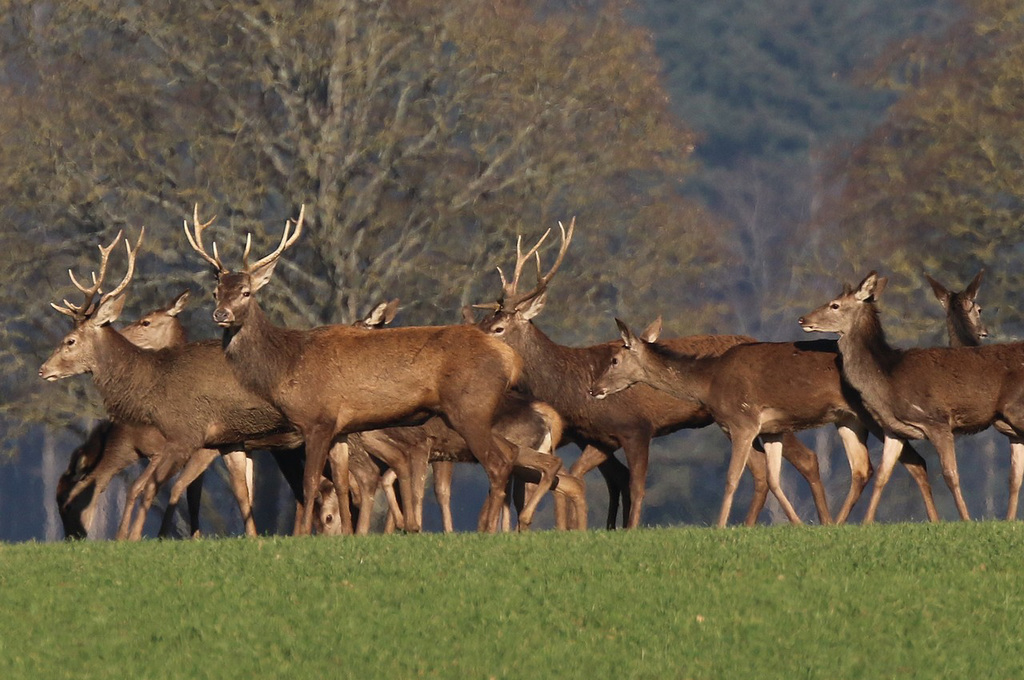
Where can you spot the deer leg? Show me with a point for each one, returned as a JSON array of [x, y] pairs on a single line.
[[134, 491], [1016, 475], [914, 464], [891, 449], [741, 443], [166, 467], [806, 463], [773, 453], [395, 517], [942, 439], [318, 444], [548, 467], [443, 492], [195, 466], [593, 457], [239, 467], [194, 498], [758, 466], [854, 438], [339, 457], [637, 450], [575, 493]]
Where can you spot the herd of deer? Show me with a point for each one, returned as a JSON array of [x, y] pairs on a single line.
[[348, 409]]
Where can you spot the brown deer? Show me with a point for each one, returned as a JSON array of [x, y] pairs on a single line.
[[763, 389], [332, 381], [113, 447], [925, 393], [963, 313], [561, 376], [188, 393], [525, 423]]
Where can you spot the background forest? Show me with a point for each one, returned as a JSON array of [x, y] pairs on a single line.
[[729, 165]]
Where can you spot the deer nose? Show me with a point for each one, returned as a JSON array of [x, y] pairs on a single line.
[[800, 321], [222, 316]]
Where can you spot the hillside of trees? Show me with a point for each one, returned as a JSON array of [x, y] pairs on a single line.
[[729, 164]]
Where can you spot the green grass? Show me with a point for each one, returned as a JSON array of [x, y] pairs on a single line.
[[886, 601]]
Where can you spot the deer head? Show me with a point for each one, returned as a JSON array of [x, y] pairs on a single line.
[[76, 353], [963, 313], [518, 307], [160, 328], [628, 365], [841, 314], [235, 289]]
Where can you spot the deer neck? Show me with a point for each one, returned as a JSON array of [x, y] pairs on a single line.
[[260, 352], [868, 360], [682, 376], [552, 372], [960, 332], [126, 377]]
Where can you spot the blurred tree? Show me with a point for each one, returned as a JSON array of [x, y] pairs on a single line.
[[939, 185], [769, 87], [422, 137]]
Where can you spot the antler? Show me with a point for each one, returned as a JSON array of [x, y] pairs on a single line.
[[85, 310], [510, 296], [286, 242], [197, 241]]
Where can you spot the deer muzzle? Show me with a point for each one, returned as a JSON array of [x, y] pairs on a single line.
[[223, 317]]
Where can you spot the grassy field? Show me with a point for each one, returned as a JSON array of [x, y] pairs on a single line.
[[885, 601]]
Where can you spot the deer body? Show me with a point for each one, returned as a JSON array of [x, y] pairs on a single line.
[[926, 393], [756, 389], [335, 380], [561, 376], [188, 393]]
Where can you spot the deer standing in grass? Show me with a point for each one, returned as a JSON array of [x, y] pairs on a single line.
[[926, 393], [525, 423], [763, 389], [332, 381], [562, 376], [963, 313], [113, 447], [188, 393]]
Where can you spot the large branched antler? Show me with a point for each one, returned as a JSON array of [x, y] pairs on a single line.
[[197, 241], [84, 311], [510, 295], [287, 239]]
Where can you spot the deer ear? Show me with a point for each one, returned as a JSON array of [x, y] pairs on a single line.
[[108, 311], [260, 276], [179, 304], [382, 314], [971, 291], [652, 332], [941, 293], [531, 308], [869, 288], [629, 340]]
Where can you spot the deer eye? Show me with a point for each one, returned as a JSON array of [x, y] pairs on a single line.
[[615, 361], [834, 305], [246, 293], [498, 330], [145, 324], [69, 342]]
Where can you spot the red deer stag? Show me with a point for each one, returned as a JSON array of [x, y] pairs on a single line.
[[561, 376], [963, 313], [762, 389], [113, 447], [335, 380], [188, 393], [931, 393]]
